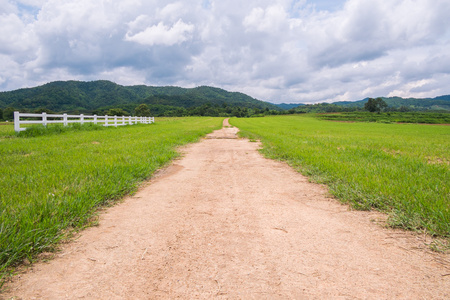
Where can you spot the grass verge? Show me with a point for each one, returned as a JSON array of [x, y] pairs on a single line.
[[40, 130], [401, 169], [52, 184]]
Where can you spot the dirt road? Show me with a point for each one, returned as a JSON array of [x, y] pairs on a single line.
[[224, 222]]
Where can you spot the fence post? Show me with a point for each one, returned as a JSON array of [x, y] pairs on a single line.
[[106, 120], [16, 121], [115, 121], [65, 119], [129, 120], [123, 120], [44, 119], [82, 119], [95, 119]]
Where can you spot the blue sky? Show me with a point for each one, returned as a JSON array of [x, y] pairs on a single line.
[[326, 5], [300, 51]]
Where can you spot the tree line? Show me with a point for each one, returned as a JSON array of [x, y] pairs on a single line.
[[211, 110], [376, 105]]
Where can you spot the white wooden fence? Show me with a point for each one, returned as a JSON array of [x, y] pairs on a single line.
[[66, 119]]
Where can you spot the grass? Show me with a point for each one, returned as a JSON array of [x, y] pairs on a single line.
[[40, 130], [6, 129], [401, 169], [390, 117], [53, 184]]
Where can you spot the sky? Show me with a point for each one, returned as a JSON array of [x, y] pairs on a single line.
[[291, 51]]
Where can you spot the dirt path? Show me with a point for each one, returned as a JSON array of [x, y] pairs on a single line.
[[224, 222]]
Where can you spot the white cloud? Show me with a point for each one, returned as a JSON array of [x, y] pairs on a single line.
[[16, 38], [275, 50], [271, 19], [162, 35], [172, 11], [124, 76], [10, 69], [7, 7]]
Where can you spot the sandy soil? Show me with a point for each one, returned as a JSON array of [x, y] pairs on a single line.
[[224, 222]]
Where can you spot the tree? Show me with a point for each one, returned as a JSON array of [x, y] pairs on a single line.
[[1, 114], [375, 105], [117, 112], [41, 110], [142, 110], [404, 108], [8, 113]]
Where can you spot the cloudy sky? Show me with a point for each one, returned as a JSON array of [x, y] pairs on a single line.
[[290, 51]]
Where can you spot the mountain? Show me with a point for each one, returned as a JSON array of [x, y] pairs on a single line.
[[413, 104], [419, 104], [83, 97], [100, 96], [287, 106]]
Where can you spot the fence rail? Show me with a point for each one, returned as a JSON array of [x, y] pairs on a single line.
[[65, 119]]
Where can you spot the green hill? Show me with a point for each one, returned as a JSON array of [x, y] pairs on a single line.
[[415, 104], [88, 97], [441, 103], [100, 96], [288, 106]]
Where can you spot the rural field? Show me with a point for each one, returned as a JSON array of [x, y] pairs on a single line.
[[401, 169], [222, 221], [390, 117], [55, 182]]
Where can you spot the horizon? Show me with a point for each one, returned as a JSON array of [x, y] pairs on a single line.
[[280, 103]]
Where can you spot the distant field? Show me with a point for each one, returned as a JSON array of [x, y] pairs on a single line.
[[54, 182], [6, 128], [402, 169], [390, 117]]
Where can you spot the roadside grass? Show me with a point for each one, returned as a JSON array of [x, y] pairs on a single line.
[[389, 117], [39, 130], [7, 129], [53, 184], [401, 169]]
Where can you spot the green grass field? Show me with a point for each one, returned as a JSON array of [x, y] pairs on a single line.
[[6, 129], [56, 182], [52, 184], [389, 117], [401, 169]]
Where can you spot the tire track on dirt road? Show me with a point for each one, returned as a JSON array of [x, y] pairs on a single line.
[[224, 222]]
